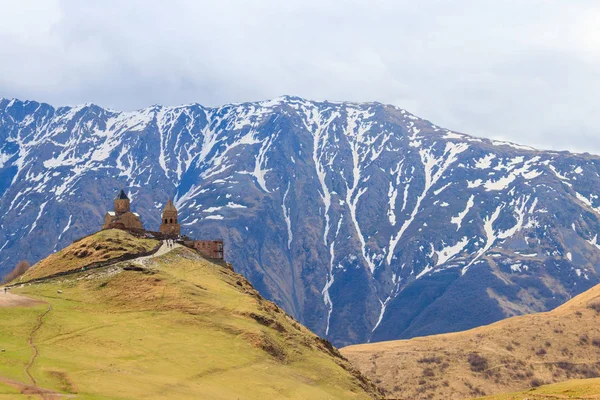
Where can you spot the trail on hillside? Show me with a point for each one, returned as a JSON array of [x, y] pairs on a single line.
[[34, 349], [12, 300], [164, 249], [28, 390]]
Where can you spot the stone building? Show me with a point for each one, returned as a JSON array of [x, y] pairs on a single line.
[[122, 217], [208, 248], [169, 223]]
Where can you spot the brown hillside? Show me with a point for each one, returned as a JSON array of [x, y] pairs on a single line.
[[102, 246], [576, 389], [508, 356]]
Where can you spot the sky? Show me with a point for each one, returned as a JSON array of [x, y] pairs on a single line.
[[521, 70]]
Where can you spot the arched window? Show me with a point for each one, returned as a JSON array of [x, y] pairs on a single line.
[[166, 222], [171, 220]]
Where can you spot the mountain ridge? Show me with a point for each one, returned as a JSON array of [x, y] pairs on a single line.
[[358, 218]]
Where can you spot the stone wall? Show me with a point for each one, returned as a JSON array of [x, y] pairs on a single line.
[[208, 248]]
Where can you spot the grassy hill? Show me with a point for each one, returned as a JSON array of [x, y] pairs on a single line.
[[513, 355], [176, 326], [102, 246]]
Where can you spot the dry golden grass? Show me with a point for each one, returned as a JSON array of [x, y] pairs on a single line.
[[578, 389], [102, 246], [511, 355]]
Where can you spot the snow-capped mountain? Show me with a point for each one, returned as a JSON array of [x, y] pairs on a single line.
[[363, 221]]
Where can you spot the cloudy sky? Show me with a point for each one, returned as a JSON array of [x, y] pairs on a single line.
[[522, 70]]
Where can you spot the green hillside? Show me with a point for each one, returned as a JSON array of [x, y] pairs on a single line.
[[176, 326]]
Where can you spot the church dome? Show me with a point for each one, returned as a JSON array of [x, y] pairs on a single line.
[[122, 196]]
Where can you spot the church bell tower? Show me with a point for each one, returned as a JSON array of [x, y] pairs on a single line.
[[169, 224]]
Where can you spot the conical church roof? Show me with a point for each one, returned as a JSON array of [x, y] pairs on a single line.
[[122, 196], [170, 206]]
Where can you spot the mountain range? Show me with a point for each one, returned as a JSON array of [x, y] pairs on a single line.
[[363, 221]]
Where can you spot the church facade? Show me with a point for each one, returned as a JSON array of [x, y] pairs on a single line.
[[122, 217]]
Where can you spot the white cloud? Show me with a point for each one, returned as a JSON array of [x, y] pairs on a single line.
[[522, 70]]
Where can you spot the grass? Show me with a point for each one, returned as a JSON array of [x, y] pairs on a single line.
[[184, 328], [512, 355], [15, 325], [6, 391], [574, 389], [102, 246]]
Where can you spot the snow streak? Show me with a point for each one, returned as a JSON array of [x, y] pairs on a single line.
[[434, 168], [286, 215]]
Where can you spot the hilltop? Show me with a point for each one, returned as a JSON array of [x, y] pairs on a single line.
[[101, 247], [171, 324], [511, 355]]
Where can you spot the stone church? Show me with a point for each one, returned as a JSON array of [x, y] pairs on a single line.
[[122, 217]]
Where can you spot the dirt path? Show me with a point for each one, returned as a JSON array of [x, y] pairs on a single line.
[[164, 249], [29, 390], [11, 300], [8, 299], [25, 388], [34, 349]]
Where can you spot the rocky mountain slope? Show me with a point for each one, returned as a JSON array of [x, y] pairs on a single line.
[[361, 220], [171, 325], [510, 355]]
